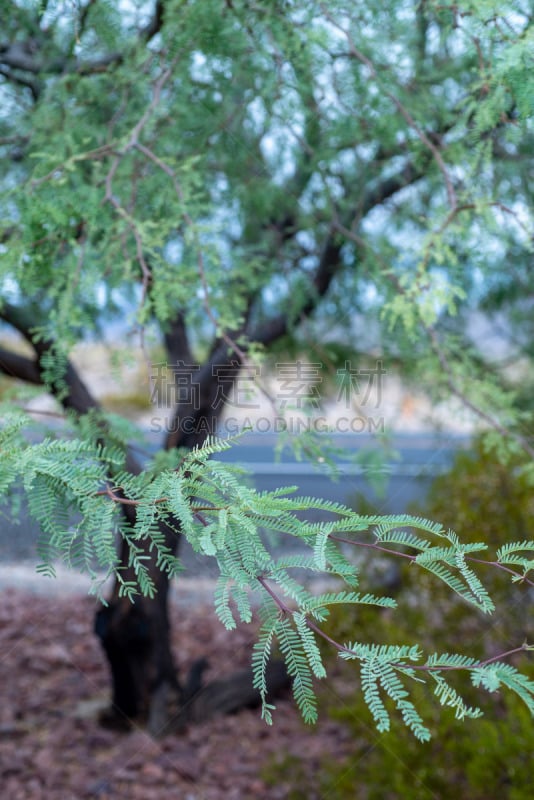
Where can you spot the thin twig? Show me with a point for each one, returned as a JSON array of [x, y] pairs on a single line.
[[284, 609], [455, 390]]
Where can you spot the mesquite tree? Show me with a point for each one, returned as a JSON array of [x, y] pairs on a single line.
[[231, 174]]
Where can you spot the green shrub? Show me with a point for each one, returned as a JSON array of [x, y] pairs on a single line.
[[479, 759]]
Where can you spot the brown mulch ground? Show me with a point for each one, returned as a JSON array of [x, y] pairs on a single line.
[[53, 677]]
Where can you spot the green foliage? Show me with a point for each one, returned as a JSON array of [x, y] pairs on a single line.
[[213, 161], [227, 169], [482, 493], [224, 519], [483, 760], [479, 757]]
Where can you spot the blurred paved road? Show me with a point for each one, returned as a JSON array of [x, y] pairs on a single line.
[[418, 460]]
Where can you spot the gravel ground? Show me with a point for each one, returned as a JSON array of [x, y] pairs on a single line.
[[55, 679]]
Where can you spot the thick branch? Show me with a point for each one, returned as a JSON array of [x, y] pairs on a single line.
[[228, 695], [27, 56], [24, 320], [154, 26], [273, 329], [177, 342], [77, 397], [194, 419], [330, 262], [82, 19], [202, 410], [28, 83], [17, 56], [20, 367], [71, 391], [99, 65]]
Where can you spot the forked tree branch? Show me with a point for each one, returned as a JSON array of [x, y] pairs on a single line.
[[330, 261]]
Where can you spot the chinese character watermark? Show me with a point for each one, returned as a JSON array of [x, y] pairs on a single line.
[[360, 384], [173, 384], [235, 386], [298, 384]]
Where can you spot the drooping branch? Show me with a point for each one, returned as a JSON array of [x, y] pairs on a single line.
[[428, 667]]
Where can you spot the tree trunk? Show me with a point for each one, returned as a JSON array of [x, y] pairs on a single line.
[[136, 640], [136, 636], [146, 689]]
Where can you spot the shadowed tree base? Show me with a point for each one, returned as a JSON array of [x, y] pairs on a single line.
[[224, 696], [230, 695], [146, 689]]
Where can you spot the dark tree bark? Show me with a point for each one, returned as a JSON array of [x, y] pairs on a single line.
[[136, 640]]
